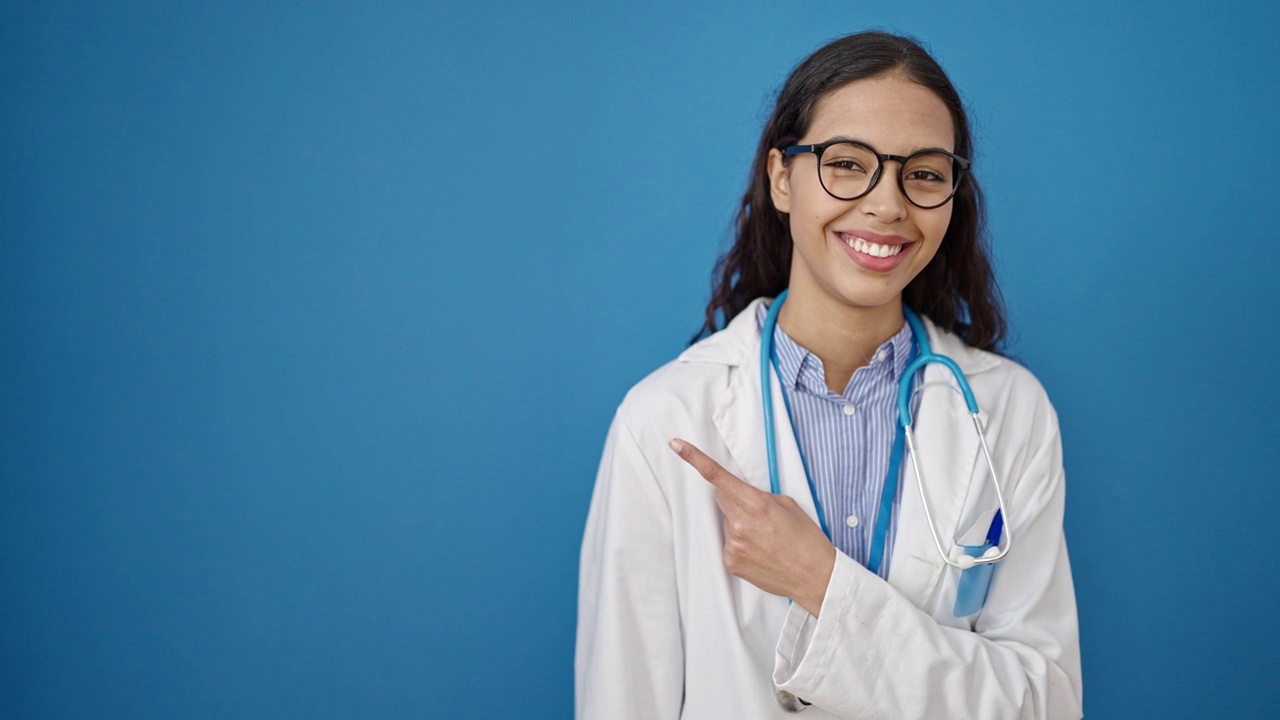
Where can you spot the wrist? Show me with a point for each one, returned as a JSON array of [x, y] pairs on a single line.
[[815, 589]]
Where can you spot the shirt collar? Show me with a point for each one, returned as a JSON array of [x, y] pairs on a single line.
[[800, 368]]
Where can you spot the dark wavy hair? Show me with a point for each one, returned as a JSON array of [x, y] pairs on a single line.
[[957, 289]]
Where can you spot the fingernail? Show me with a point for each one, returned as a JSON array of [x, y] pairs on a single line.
[[676, 445]]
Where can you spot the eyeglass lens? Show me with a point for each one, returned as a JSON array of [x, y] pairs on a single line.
[[847, 168]]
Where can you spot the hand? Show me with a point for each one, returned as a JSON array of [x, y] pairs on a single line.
[[769, 541]]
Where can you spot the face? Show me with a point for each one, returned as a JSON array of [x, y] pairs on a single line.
[[862, 253]]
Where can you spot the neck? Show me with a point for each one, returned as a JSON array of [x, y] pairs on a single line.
[[843, 337]]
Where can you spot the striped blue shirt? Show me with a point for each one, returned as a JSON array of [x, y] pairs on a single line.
[[846, 438]]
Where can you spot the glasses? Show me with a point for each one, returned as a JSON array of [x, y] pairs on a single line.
[[849, 169]]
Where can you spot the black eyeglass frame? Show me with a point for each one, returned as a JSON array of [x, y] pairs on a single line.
[[961, 165]]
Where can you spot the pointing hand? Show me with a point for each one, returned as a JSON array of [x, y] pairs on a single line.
[[769, 541]]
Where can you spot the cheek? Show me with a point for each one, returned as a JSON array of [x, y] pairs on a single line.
[[808, 228], [806, 198], [805, 218], [935, 226]]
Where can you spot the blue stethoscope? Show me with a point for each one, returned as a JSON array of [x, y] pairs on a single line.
[[964, 556]]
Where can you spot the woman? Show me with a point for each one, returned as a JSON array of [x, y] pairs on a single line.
[[704, 595]]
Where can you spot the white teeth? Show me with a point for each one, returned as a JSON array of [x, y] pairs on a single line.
[[872, 249]]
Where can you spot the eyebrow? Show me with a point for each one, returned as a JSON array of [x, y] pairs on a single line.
[[846, 138]]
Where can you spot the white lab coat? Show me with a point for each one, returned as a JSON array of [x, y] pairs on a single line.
[[665, 632]]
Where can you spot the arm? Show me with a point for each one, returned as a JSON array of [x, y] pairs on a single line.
[[872, 653], [630, 658]]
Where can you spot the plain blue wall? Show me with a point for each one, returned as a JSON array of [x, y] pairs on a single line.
[[313, 317]]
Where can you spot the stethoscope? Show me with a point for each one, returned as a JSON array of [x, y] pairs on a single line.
[[959, 559], [922, 354]]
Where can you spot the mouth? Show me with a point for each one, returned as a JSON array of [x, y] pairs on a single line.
[[880, 252], [870, 248], [875, 249]]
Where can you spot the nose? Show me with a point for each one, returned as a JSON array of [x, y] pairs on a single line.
[[886, 201]]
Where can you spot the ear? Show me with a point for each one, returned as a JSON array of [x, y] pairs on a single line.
[[779, 182]]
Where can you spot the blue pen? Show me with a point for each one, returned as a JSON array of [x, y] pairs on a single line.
[[996, 529]]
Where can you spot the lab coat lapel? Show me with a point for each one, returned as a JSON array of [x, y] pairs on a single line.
[[947, 452], [740, 421]]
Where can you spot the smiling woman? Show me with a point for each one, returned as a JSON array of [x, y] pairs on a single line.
[[738, 564], [855, 263]]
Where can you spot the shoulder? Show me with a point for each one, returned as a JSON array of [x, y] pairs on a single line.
[[680, 399], [1005, 389], [1017, 391], [684, 388]]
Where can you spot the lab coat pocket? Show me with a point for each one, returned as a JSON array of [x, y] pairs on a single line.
[[971, 593]]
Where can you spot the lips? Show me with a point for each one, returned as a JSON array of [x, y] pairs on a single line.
[[874, 251]]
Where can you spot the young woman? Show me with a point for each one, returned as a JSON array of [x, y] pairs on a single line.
[[874, 580]]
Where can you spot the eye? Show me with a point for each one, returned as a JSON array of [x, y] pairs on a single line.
[[844, 165], [928, 168], [923, 175]]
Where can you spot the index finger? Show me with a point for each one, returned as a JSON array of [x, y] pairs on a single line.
[[723, 480]]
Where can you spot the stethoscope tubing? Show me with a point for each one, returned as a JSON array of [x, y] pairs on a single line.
[[962, 561]]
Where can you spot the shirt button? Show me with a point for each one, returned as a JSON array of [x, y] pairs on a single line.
[[848, 409], [851, 521], [881, 357]]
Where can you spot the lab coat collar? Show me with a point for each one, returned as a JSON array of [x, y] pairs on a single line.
[[739, 344], [949, 449]]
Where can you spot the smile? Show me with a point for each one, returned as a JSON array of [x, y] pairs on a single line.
[[870, 248]]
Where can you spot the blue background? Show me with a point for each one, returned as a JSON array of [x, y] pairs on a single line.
[[313, 317]]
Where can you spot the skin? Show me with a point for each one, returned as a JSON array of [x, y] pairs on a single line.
[[838, 310]]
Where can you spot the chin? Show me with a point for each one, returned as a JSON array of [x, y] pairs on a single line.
[[869, 298]]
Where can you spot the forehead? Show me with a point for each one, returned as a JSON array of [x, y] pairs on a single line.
[[892, 113]]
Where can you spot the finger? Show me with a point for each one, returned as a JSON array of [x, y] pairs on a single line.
[[723, 480]]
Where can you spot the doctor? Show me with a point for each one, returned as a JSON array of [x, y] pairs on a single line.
[[704, 595]]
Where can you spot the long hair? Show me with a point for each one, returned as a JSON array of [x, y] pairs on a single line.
[[957, 289]]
